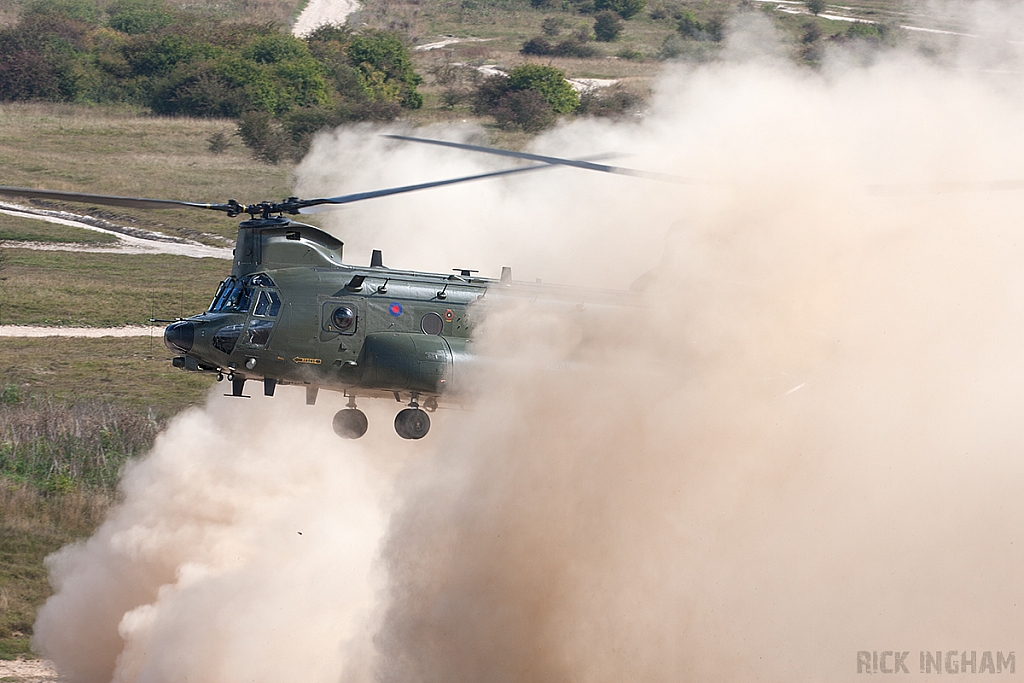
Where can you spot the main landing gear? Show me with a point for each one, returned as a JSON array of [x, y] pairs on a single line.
[[410, 423], [350, 423]]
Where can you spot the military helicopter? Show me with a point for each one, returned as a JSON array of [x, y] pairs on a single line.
[[293, 313]]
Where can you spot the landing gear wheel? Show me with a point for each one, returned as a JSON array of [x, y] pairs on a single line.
[[350, 423], [412, 423]]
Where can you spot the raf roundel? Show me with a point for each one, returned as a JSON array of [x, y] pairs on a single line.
[[395, 309]]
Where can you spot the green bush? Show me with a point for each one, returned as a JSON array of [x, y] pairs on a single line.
[[152, 55], [44, 57], [274, 48], [529, 98], [137, 17], [627, 9], [80, 10], [157, 56], [607, 26], [864, 31], [524, 109], [614, 102], [266, 137], [548, 82], [571, 47], [552, 26], [689, 27], [816, 7], [383, 62]]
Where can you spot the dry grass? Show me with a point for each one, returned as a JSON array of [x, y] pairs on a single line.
[[26, 509], [109, 150], [33, 525], [17, 228], [103, 290], [59, 448], [134, 372]]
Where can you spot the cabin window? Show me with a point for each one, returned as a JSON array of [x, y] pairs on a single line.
[[262, 280], [431, 323], [226, 338], [344, 319], [259, 332]]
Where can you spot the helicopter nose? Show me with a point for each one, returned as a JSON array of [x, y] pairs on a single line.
[[179, 336]]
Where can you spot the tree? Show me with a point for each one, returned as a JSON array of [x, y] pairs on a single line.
[[816, 7], [607, 26]]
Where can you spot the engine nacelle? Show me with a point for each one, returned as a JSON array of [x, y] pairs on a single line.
[[410, 361]]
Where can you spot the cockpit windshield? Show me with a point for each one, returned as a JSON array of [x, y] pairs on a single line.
[[233, 295], [236, 295]]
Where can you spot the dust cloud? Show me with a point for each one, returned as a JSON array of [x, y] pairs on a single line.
[[806, 443]]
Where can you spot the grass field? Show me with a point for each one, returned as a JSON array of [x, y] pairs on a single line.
[[67, 288], [16, 228], [130, 372]]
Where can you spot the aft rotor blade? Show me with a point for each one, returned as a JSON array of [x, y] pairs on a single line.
[[306, 204], [558, 161], [106, 199]]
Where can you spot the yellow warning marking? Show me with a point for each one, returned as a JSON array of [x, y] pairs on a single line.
[[310, 361]]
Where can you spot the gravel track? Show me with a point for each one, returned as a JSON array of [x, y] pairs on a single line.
[[39, 331], [28, 671]]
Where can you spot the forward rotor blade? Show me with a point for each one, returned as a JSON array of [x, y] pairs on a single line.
[[577, 163], [105, 199], [307, 204]]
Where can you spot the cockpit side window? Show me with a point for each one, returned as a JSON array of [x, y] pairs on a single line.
[[275, 304], [218, 300], [268, 303]]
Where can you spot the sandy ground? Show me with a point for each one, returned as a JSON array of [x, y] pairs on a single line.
[[32, 331], [319, 12], [448, 40], [27, 671]]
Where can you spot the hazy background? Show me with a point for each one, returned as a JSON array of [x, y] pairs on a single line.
[[806, 443]]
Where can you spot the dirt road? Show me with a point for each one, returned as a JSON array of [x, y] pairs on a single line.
[[130, 240]]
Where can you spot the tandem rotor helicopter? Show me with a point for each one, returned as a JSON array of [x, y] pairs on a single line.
[[292, 313]]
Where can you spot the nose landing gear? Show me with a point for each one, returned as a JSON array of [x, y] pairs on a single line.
[[412, 423], [351, 422]]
